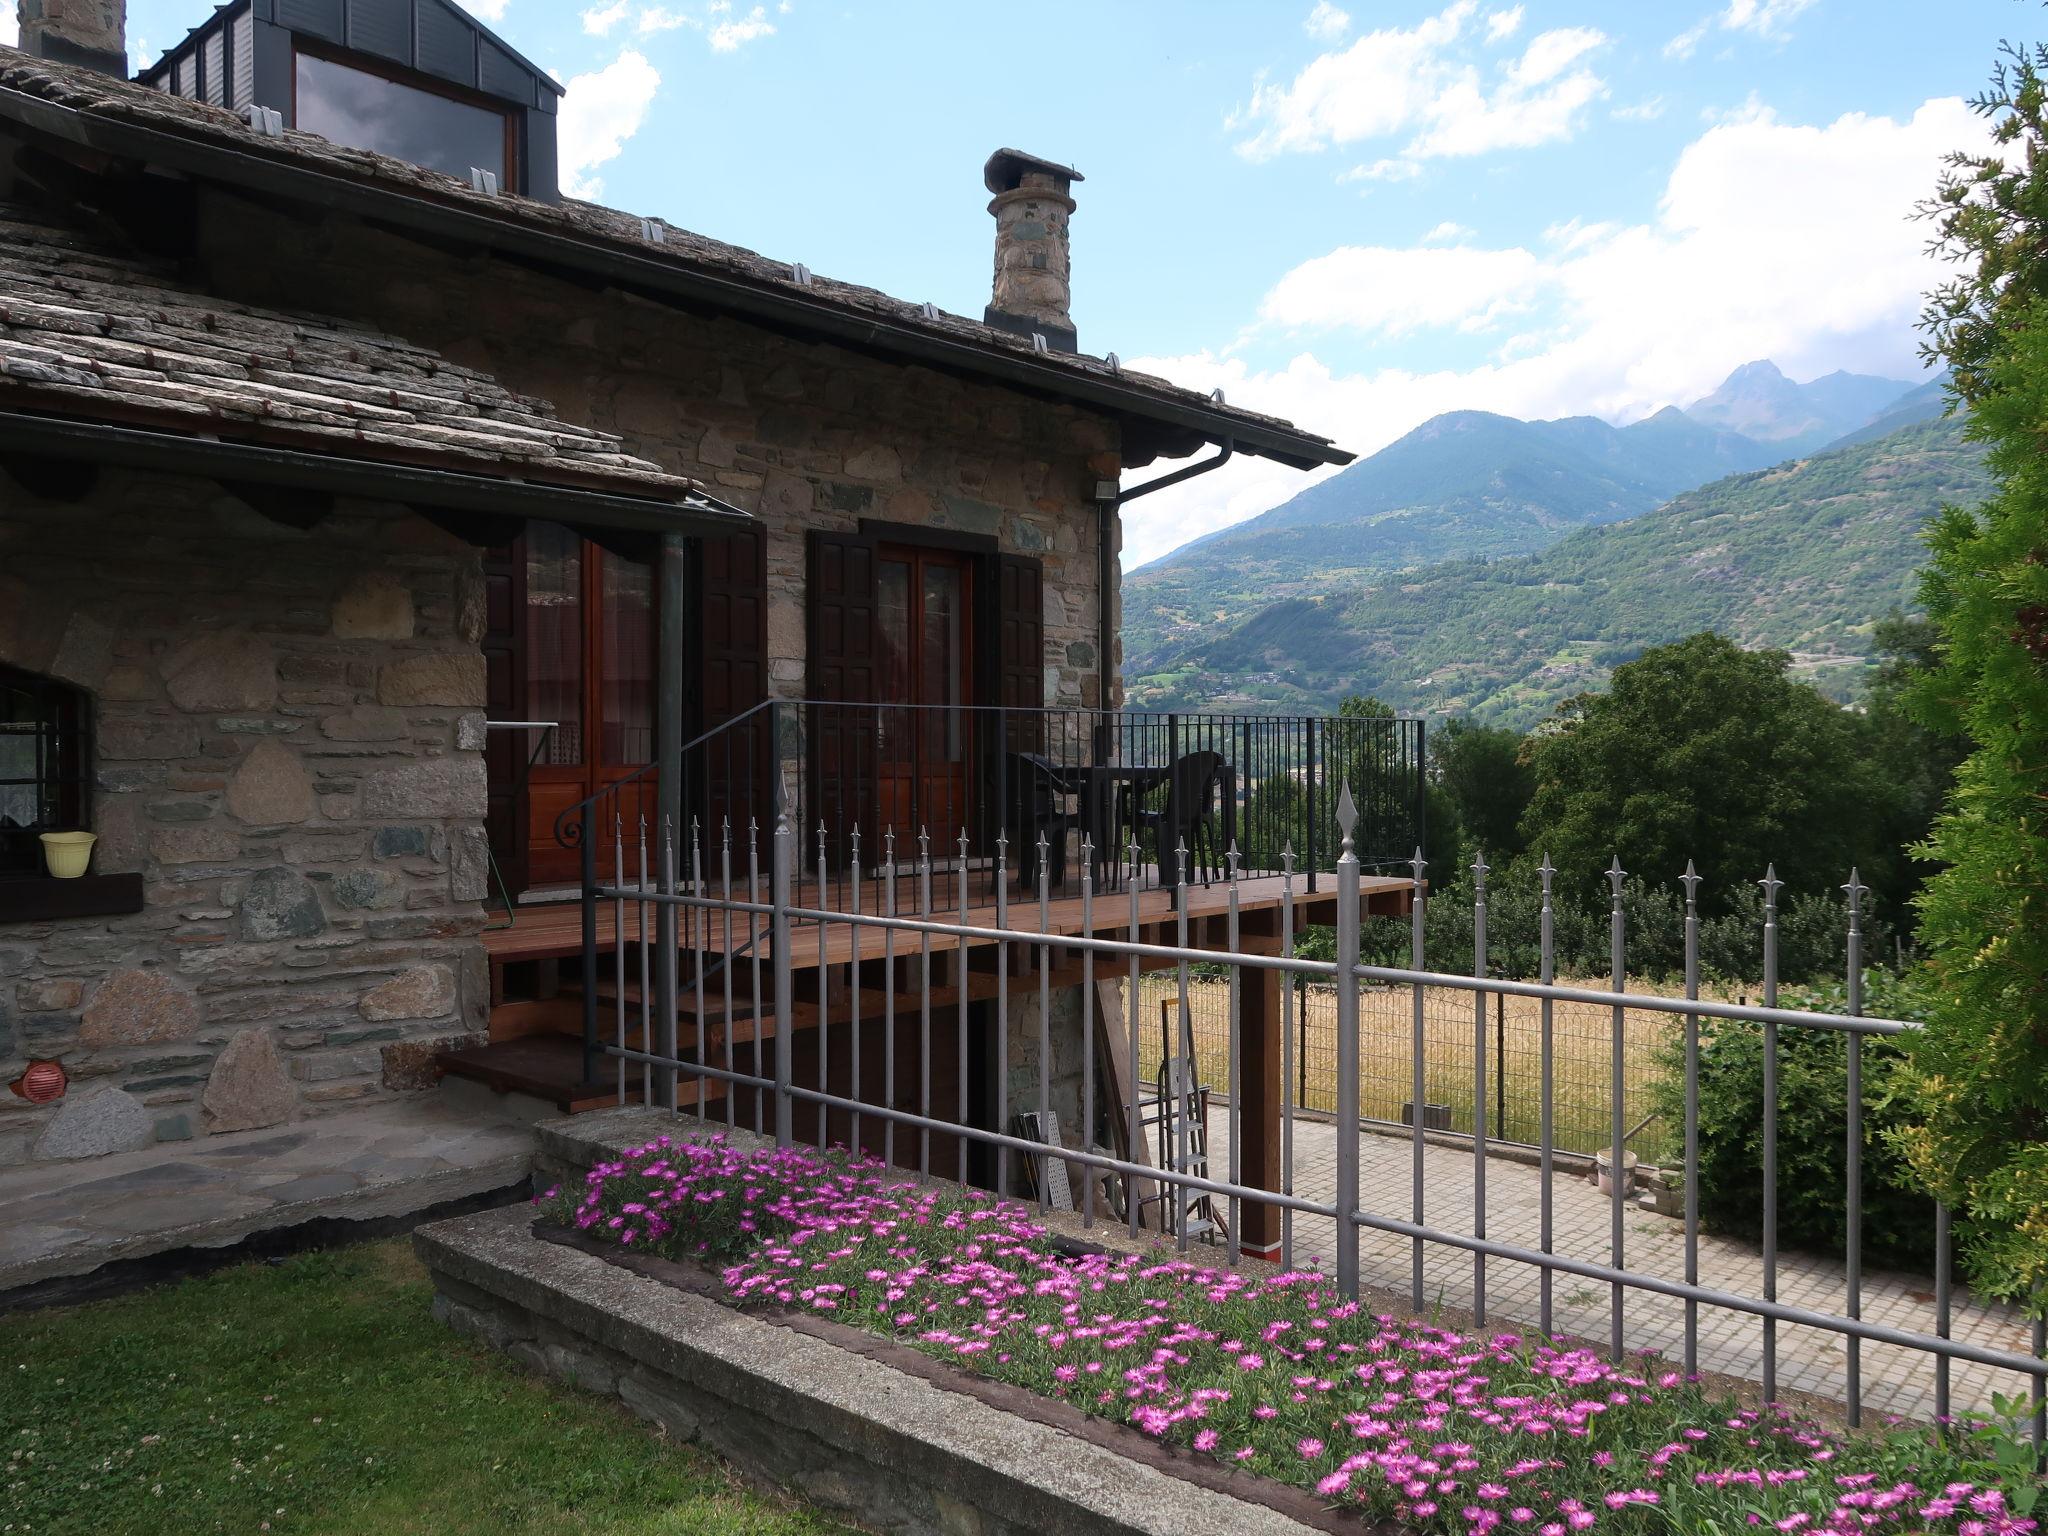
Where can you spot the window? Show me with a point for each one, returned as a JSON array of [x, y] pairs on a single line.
[[408, 122], [43, 765]]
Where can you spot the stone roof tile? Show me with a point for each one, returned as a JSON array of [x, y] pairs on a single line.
[[87, 331], [101, 95]]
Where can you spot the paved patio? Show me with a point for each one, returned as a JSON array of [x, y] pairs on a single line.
[[1896, 1381], [387, 1160]]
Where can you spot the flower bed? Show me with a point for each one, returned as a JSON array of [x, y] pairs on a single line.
[[1386, 1417]]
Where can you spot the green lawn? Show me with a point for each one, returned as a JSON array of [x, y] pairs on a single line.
[[317, 1395]]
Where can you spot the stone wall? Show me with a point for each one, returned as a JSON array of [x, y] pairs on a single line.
[[288, 748], [802, 434]]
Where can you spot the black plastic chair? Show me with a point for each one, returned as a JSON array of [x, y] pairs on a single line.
[[1192, 791], [1038, 805]]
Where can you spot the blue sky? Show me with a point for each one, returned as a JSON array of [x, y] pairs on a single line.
[[1355, 215]]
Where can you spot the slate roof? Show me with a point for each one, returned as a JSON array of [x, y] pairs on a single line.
[[1179, 411], [115, 338]]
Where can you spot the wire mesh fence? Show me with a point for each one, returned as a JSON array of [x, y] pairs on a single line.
[[1581, 1045]]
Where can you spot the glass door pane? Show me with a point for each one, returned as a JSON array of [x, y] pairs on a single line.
[[627, 689], [554, 639], [896, 647], [941, 661]]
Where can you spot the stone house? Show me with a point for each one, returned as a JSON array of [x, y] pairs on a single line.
[[367, 505]]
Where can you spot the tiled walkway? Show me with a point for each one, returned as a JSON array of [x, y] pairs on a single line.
[[1895, 1380]]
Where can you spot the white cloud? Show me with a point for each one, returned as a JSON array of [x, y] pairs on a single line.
[[729, 36], [1787, 241], [601, 111], [8, 29], [1765, 18], [1383, 170], [1538, 101], [599, 20], [1419, 81], [1326, 23], [486, 10], [657, 18], [1683, 45], [1394, 291], [1646, 111], [1449, 232]]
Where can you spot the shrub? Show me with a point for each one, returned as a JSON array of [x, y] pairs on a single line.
[[1813, 1123]]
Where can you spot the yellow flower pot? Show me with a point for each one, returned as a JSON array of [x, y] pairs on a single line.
[[68, 853]]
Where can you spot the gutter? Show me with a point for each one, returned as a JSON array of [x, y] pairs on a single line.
[[1110, 497], [411, 212]]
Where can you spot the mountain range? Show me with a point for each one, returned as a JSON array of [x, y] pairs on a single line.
[[1487, 565]]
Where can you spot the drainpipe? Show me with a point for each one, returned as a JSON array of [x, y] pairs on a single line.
[[1109, 500]]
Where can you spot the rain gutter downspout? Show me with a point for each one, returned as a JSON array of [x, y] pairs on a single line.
[[1109, 500]]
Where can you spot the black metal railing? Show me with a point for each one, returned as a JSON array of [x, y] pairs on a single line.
[[1127, 791]]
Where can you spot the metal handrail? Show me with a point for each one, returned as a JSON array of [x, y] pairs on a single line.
[[565, 826]]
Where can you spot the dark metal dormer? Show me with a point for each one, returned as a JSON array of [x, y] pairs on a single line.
[[420, 80]]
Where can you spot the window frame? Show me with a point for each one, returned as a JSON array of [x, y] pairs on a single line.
[[394, 73], [67, 714]]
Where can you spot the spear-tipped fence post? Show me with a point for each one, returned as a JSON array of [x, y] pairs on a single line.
[[782, 861], [1043, 957], [1135, 1146], [1617, 1098], [1002, 1072], [1547, 1132], [1691, 881], [1236, 1053], [824, 1001], [1347, 1049], [1185, 1091], [960, 986], [1479, 873], [1289, 1091], [889, 878], [924, 1005], [853, 936], [1089, 1175], [1771, 885], [1852, 1238], [1418, 1080]]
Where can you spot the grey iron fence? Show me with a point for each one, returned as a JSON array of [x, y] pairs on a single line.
[[783, 946]]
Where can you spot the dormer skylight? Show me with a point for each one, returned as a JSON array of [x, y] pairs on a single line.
[[419, 80]]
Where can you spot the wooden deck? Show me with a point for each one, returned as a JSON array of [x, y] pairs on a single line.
[[555, 932], [857, 973]]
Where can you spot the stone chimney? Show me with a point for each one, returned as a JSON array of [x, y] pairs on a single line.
[[1031, 205], [93, 33]]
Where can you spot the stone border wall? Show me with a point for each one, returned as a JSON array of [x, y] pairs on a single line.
[[852, 1435]]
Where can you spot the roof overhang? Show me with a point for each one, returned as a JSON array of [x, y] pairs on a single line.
[[484, 509], [1179, 426]]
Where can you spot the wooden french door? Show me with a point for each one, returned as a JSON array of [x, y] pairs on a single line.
[[586, 624], [924, 623]]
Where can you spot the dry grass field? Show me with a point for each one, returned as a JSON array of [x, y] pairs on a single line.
[[1582, 1051]]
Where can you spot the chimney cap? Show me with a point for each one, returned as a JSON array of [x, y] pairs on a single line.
[[1007, 168]]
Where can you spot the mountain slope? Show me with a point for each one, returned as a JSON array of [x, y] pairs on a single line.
[[1464, 484], [1758, 401], [1806, 556]]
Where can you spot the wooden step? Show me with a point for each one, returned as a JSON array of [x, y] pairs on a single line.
[[550, 1068]]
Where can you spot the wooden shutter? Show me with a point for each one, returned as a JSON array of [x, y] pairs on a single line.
[[1020, 648], [505, 814], [732, 607], [841, 667]]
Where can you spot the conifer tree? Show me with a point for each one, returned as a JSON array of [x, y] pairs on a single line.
[[1978, 1076]]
